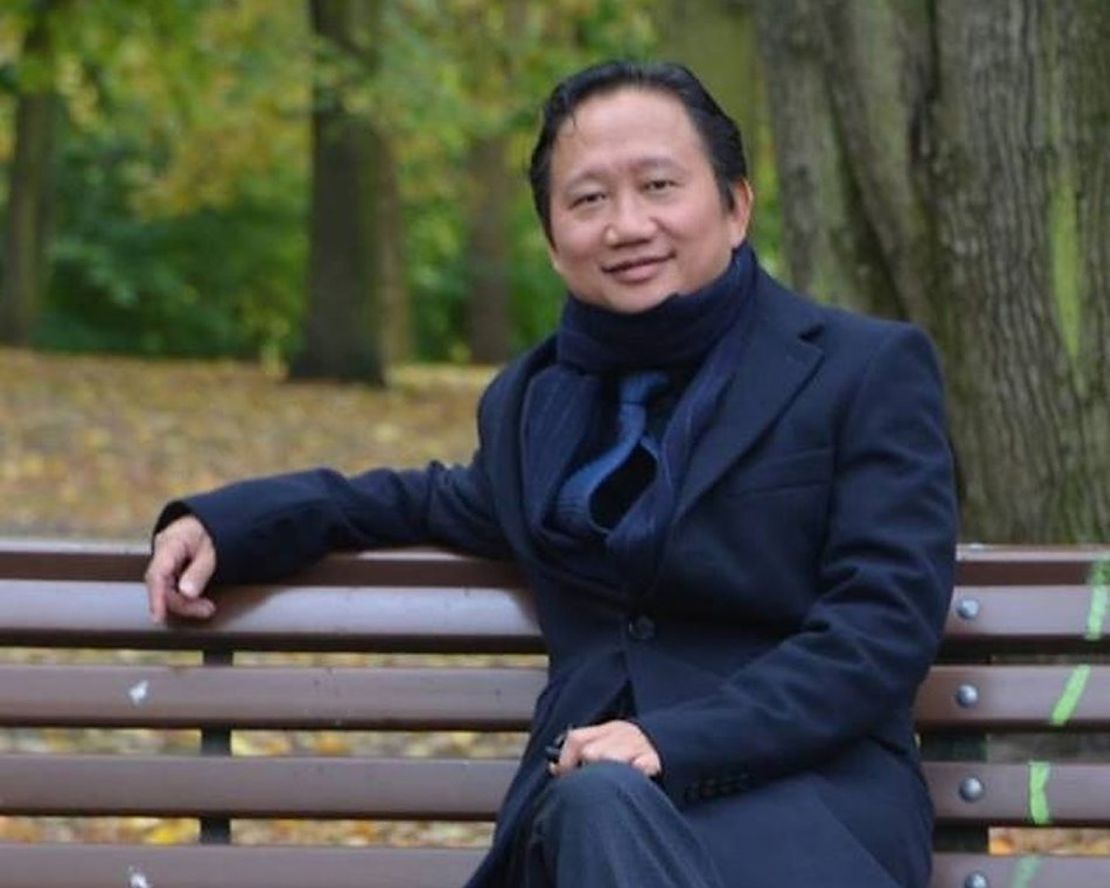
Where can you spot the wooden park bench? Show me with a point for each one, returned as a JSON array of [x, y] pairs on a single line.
[[1011, 608]]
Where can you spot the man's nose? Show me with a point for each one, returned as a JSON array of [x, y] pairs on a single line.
[[630, 221]]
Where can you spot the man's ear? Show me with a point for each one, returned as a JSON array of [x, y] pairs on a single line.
[[740, 215], [553, 256]]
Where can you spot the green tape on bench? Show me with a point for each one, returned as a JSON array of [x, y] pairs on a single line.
[[1100, 599], [1069, 699], [1039, 812], [1025, 871]]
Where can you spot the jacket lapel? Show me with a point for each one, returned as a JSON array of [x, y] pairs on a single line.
[[775, 363], [557, 409]]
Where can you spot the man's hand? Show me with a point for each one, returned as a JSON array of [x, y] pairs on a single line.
[[612, 741], [184, 560]]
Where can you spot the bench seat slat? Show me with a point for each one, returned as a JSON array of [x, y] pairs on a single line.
[[435, 789], [1016, 698], [198, 866], [269, 697], [66, 613]]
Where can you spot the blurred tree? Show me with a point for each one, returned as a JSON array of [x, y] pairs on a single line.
[[29, 174], [489, 250], [345, 315], [945, 162], [491, 189]]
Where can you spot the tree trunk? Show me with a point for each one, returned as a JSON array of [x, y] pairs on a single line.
[[488, 253], [490, 193], [25, 268], [396, 337], [717, 40], [944, 162], [344, 323]]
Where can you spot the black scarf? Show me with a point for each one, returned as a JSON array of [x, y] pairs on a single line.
[[569, 409]]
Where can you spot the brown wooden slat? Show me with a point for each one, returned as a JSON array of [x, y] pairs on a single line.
[[1051, 619], [265, 697], [1076, 794], [110, 866], [96, 560], [293, 786], [1012, 698], [952, 871], [434, 789], [126, 562], [66, 613], [384, 618], [113, 866], [188, 866], [1022, 565]]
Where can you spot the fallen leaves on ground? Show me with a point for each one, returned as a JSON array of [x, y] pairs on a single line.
[[92, 446]]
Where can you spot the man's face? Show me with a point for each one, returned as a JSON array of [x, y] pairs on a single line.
[[636, 215]]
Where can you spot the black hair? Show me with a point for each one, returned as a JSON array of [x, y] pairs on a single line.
[[719, 133]]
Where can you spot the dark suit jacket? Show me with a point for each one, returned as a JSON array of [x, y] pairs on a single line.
[[798, 605]]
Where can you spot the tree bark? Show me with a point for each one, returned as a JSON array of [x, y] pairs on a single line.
[[344, 322], [488, 252], [29, 186], [944, 162]]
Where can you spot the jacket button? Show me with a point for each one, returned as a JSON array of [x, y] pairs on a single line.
[[642, 628]]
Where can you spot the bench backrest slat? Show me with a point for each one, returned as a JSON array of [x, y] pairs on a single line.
[[953, 698], [67, 613], [254, 786], [132, 866], [449, 789], [470, 698], [1015, 698]]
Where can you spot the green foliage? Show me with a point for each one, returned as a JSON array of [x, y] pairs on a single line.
[[452, 72], [211, 281]]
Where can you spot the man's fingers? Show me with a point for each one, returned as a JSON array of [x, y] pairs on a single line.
[[183, 562], [613, 741], [161, 577], [193, 608], [198, 572]]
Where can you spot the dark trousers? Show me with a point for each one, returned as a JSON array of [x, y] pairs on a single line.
[[606, 825]]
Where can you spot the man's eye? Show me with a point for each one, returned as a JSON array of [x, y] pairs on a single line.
[[590, 197], [659, 184]]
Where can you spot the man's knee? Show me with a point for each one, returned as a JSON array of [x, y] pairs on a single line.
[[598, 791]]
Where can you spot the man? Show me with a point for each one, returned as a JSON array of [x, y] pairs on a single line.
[[735, 508]]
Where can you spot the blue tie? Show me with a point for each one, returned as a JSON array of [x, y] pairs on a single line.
[[574, 506]]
